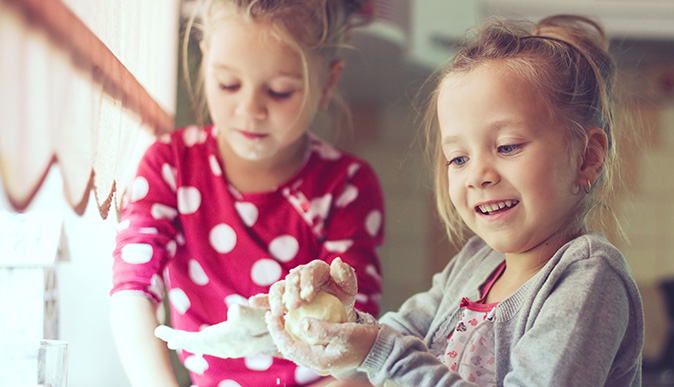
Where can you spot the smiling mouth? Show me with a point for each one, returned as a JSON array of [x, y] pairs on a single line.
[[496, 207]]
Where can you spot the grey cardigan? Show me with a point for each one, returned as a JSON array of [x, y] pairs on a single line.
[[577, 322]]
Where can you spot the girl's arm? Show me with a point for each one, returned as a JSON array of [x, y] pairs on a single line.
[[144, 357], [401, 358], [396, 349], [137, 285]]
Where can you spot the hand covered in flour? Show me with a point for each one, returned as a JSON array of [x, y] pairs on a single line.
[[309, 325], [244, 333], [303, 283], [345, 345]]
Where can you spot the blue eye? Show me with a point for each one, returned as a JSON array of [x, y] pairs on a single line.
[[458, 161], [507, 149]]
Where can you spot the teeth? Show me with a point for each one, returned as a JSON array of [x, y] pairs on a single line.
[[491, 207]]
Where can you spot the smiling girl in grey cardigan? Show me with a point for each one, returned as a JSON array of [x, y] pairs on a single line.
[[525, 145]]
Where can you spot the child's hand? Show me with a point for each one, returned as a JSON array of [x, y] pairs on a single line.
[[243, 334], [348, 344], [304, 282]]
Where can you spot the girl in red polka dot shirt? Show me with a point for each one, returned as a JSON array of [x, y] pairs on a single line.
[[219, 212]]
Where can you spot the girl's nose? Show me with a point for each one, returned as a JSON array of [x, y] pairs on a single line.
[[482, 174], [252, 105]]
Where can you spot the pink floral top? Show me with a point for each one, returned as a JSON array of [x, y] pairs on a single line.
[[185, 227], [471, 347]]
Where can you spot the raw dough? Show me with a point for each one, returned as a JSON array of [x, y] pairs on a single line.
[[324, 306]]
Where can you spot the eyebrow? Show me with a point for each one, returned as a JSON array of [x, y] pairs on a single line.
[[221, 66], [496, 125], [450, 140]]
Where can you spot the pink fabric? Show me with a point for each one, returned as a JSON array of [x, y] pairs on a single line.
[[471, 348], [215, 247]]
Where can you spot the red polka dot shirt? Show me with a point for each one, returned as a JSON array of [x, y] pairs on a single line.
[[185, 227]]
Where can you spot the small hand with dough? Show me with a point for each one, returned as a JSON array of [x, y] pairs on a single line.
[[326, 347], [244, 333], [304, 282]]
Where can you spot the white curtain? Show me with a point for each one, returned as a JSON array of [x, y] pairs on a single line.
[[85, 85]]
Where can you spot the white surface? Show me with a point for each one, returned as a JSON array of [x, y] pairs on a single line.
[[29, 239], [83, 284]]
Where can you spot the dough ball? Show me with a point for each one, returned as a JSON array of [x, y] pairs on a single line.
[[324, 306]]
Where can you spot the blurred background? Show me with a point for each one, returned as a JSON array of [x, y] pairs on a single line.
[[86, 84]]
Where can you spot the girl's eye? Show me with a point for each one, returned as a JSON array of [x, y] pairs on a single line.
[[231, 87], [507, 149], [458, 161], [279, 94]]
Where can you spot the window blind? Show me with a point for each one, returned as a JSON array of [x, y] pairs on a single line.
[[85, 85]]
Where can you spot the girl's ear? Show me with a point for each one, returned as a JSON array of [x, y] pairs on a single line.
[[594, 157], [334, 73]]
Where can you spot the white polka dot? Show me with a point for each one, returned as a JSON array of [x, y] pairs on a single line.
[[193, 135], [362, 298], [284, 247], [165, 138], [248, 212], [371, 270], [179, 300], [161, 211], [137, 253], [180, 239], [347, 197], [258, 363], [215, 165], [320, 206], [123, 225], [189, 200], [222, 238], [170, 175], [338, 246], [235, 299], [327, 151], [265, 272], [171, 248], [305, 375], [148, 230], [139, 189], [197, 273], [373, 222], [353, 168], [196, 364], [228, 383], [157, 286]]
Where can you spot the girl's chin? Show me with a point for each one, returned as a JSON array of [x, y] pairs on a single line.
[[252, 153], [502, 245]]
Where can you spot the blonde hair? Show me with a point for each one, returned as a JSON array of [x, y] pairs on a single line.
[[318, 27], [566, 57]]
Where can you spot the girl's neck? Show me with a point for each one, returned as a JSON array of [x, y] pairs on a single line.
[[521, 267], [263, 175]]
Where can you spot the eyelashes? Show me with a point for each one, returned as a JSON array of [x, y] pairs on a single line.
[[271, 92], [506, 150]]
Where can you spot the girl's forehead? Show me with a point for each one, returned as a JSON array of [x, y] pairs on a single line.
[[490, 97], [233, 37], [239, 36]]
